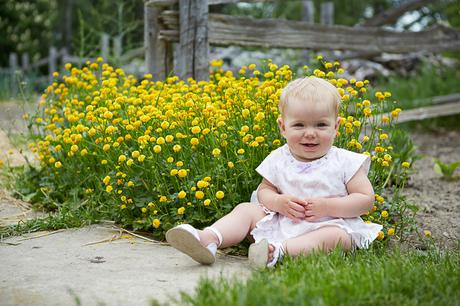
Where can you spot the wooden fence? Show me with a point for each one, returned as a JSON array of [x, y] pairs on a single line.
[[189, 24], [58, 57]]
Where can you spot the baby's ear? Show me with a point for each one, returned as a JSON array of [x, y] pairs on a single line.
[[337, 123], [281, 125]]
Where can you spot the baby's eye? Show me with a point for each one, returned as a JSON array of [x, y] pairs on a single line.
[[297, 125], [322, 124]]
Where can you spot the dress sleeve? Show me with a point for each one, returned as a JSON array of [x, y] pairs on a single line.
[[352, 162], [268, 168]]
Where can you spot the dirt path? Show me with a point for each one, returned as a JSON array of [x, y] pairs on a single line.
[[439, 200]]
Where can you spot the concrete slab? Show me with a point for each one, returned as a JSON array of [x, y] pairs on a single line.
[[83, 266]]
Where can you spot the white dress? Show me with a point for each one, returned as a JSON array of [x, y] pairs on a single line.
[[324, 177]]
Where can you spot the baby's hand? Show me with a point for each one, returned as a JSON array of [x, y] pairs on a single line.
[[315, 209], [291, 207]]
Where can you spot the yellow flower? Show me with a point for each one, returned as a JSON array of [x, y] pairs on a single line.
[[230, 165], [106, 147], [173, 172], [121, 158], [135, 154], [381, 235], [177, 148], [182, 173], [427, 233], [405, 164], [169, 138], [144, 210], [181, 210], [194, 141], [182, 194], [216, 152], [74, 148], [240, 151], [220, 195], [108, 189], [160, 140], [383, 136], [180, 163], [163, 199], [195, 129], [106, 180], [202, 184], [84, 152], [104, 162], [157, 149], [207, 202], [130, 184], [384, 214], [141, 158], [199, 194], [58, 164], [391, 231], [130, 162], [156, 223]]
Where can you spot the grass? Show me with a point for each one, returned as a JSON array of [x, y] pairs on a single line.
[[417, 88], [373, 277]]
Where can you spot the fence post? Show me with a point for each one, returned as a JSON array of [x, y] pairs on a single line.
[[327, 13], [105, 41], [308, 16], [13, 68], [117, 47], [193, 40], [64, 53], [25, 63], [155, 48], [52, 59]]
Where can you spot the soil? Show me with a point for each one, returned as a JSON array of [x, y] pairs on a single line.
[[437, 199]]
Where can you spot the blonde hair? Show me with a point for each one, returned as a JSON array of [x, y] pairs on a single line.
[[311, 89]]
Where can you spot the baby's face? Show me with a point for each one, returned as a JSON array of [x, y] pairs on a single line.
[[309, 129]]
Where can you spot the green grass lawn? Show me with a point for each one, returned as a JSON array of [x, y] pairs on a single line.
[[373, 277]]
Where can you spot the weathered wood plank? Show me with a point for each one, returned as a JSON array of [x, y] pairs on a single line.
[[230, 30], [427, 112], [446, 99]]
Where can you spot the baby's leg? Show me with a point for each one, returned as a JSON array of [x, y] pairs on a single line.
[[234, 226], [323, 239]]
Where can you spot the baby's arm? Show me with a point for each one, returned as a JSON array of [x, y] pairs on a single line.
[[358, 201], [289, 206]]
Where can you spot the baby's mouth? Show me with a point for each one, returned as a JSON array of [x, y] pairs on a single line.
[[309, 145]]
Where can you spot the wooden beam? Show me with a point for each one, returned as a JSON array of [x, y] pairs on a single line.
[[230, 30], [427, 112]]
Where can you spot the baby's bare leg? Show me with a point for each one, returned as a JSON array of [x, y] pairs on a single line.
[[323, 239], [234, 226]]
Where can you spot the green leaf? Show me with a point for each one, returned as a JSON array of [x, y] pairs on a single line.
[[437, 168]]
